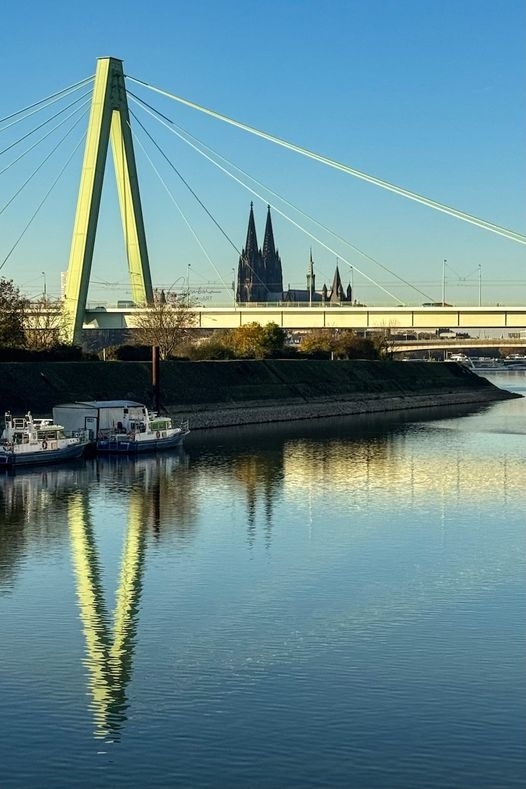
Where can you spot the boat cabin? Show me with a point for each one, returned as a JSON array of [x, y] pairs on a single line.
[[102, 417]]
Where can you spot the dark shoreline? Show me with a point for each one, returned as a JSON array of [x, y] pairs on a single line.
[[242, 392]]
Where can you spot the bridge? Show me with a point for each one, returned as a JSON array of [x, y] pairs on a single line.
[[110, 125], [329, 316]]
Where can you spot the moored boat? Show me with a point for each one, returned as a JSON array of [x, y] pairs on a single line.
[[144, 432], [27, 441]]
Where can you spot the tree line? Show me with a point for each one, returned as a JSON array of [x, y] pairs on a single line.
[[29, 327]]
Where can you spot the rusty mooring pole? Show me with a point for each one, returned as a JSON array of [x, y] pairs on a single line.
[[155, 378]]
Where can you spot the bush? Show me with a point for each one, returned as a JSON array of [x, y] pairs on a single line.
[[60, 353]]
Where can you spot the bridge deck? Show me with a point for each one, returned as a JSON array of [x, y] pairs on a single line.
[[340, 317]]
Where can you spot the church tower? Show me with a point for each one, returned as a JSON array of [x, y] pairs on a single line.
[[272, 263], [337, 294], [311, 279], [259, 275], [250, 279]]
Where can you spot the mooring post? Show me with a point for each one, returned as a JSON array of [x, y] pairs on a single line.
[[155, 378]]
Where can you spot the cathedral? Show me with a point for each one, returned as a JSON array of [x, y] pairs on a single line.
[[260, 276]]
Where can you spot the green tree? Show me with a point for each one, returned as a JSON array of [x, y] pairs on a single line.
[[274, 338], [13, 307], [349, 345]]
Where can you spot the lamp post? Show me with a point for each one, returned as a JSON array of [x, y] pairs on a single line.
[[45, 285], [444, 282], [480, 285], [188, 281]]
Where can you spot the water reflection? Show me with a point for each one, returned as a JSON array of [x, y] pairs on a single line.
[[110, 640], [327, 468], [109, 650]]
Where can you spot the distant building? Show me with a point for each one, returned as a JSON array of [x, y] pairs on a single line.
[[260, 277]]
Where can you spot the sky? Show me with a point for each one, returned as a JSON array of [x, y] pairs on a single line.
[[428, 95]]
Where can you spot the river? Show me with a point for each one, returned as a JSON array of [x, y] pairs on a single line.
[[329, 604]]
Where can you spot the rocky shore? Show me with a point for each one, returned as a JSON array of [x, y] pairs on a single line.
[[240, 414]]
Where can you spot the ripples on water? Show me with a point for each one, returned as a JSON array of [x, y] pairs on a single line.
[[332, 604]]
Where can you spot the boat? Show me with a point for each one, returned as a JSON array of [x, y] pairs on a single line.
[[143, 432], [28, 441], [486, 365]]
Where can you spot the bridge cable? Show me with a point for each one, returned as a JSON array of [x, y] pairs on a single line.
[[32, 147], [189, 226], [278, 210], [254, 273], [174, 200], [51, 99], [44, 123], [39, 167], [295, 208], [187, 185], [46, 195], [510, 234]]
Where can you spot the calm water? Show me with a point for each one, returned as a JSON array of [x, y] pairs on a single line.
[[329, 605]]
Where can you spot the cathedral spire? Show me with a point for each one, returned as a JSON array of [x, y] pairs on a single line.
[[271, 263], [269, 248], [251, 244]]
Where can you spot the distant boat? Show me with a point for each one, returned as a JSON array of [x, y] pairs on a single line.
[[27, 441], [146, 433], [485, 364]]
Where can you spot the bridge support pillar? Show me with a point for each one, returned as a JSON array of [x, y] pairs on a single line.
[[109, 119]]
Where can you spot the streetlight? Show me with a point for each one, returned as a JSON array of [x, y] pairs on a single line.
[[480, 285], [188, 280], [45, 286], [444, 283]]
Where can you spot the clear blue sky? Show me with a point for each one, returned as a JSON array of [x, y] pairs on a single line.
[[426, 94]]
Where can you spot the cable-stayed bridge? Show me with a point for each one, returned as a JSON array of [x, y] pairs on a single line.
[[111, 123]]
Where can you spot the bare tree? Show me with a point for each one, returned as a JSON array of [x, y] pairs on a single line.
[[167, 324], [45, 323]]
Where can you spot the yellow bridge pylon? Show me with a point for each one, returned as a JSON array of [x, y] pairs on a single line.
[[109, 119]]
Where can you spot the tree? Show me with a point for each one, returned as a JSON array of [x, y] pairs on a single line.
[[13, 306], [167, 324], [253, 341], [45, 326], [348, 345], [317, 341], [274, 338], [340, 343]]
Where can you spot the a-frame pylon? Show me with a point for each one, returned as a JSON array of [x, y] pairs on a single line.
[[109, 119]]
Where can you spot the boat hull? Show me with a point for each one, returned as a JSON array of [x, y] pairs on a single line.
[[108, 446], [41, 457]]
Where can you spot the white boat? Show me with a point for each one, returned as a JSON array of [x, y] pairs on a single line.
[[478, 364], [143, 432], [27, 441]]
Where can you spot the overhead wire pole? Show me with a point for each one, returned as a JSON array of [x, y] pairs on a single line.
[[109, 119]]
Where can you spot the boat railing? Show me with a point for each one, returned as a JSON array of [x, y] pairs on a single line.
[[82, 435]]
